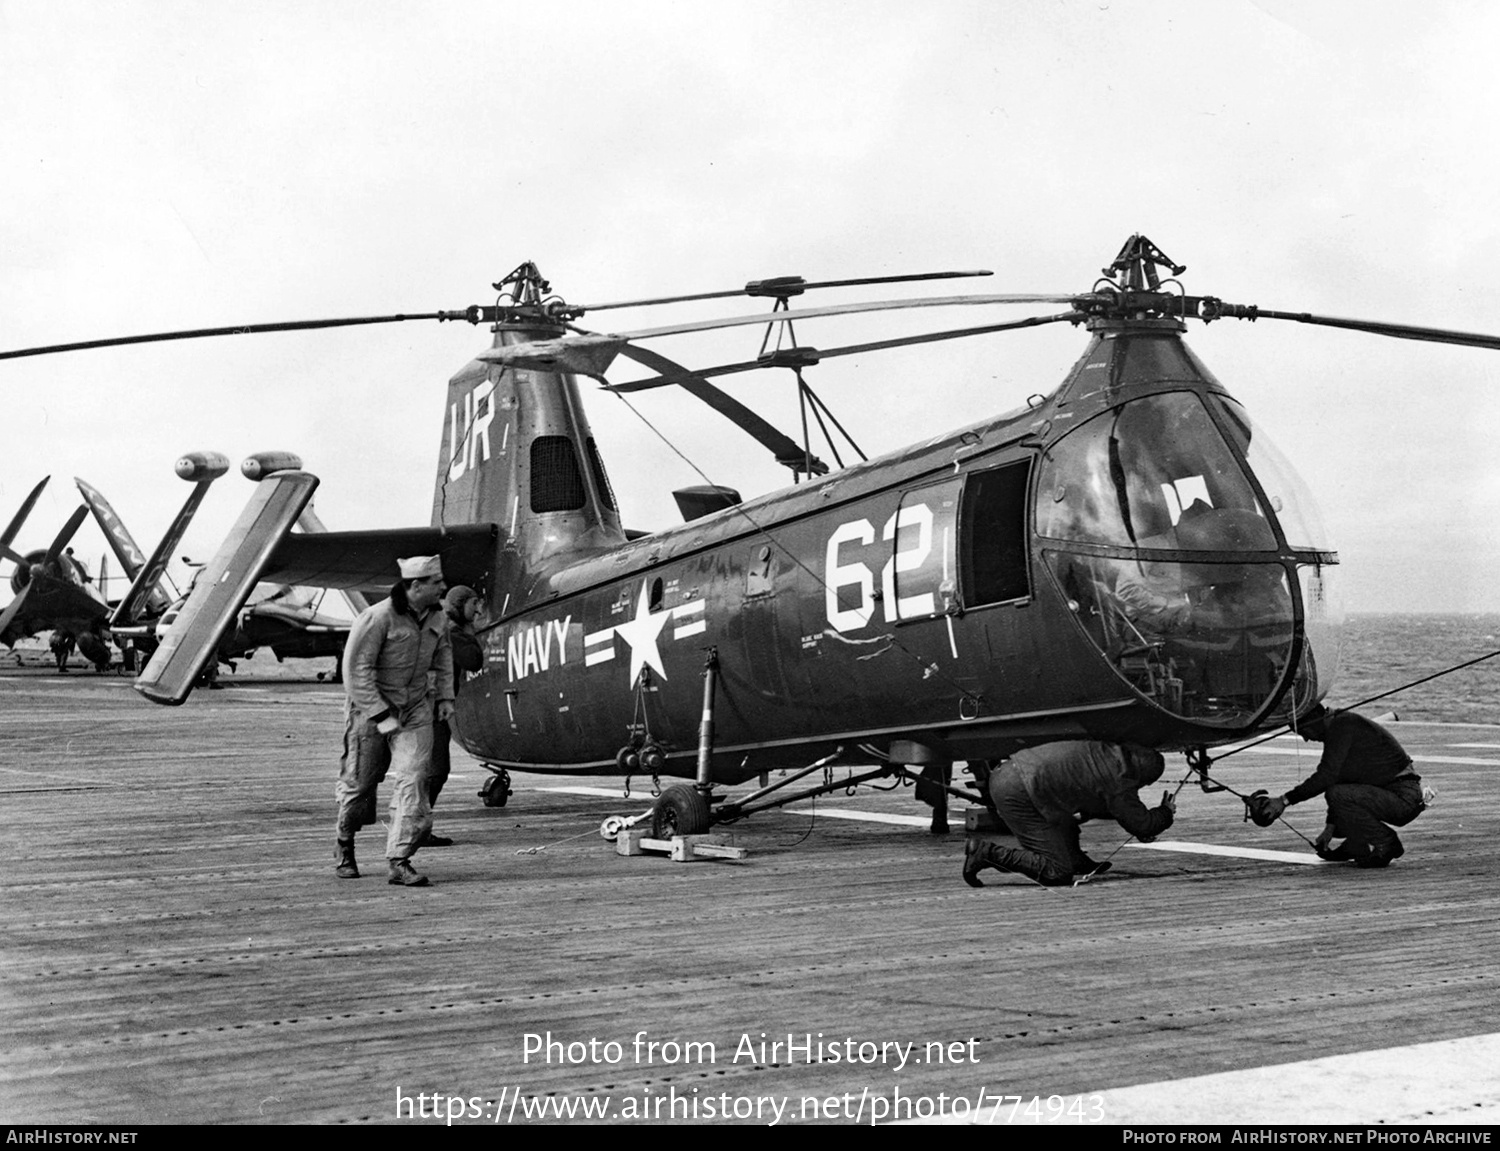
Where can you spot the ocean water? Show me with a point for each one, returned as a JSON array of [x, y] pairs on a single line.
[[1382, 652]]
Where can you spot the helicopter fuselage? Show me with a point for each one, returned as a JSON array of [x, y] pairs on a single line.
[[1108, 564]]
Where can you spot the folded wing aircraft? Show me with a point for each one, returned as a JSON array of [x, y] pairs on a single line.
[[54, 591], [281, 616]]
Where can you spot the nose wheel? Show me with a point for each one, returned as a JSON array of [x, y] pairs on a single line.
[[496, 789]]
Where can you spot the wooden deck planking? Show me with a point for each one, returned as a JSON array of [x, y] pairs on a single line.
[[178, 949]]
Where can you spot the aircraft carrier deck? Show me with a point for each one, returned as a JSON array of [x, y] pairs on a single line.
[[177, 948]]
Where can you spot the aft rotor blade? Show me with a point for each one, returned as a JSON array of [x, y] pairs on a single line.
[[74, 520], [779, 286], [787, 451], [843, 310], [813, 355], [19, 518], [236, 330], [1378, 328]]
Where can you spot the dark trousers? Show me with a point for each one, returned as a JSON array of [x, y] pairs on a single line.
[[441, 734], [1049, 851], [1360, 813]]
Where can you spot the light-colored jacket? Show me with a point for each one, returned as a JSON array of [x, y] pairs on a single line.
[[387, 661]]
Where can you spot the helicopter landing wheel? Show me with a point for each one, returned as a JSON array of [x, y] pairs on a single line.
[[681, 810], [496, 789]]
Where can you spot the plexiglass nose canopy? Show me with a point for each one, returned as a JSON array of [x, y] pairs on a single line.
[[1200, 587]]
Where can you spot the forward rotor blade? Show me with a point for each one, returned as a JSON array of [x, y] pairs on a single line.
[[778, 286], [74, 520], [813, 355], [19, 518], [237, 330], [1378, 328], [787, 451], [842, 310]]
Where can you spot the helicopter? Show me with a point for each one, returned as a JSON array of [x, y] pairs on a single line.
[[1128, 558]]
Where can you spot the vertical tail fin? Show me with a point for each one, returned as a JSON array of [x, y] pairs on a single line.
[[517, 451]]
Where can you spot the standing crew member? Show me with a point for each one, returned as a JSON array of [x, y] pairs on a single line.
[[1044, 793], [1369, 781], [461, 605], [391, 701]]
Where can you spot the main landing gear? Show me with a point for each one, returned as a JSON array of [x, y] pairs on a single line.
[[687, 809]]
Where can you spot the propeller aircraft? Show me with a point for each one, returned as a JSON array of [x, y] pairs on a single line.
[[1127, 558], [54, 592], [281, 617]]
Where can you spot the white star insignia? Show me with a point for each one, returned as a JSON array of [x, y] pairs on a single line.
[[641, 634]]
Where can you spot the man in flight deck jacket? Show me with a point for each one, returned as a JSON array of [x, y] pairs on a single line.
[[1044, 793]]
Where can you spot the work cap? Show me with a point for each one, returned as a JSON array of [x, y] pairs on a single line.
[[420, 567], [457, 597]]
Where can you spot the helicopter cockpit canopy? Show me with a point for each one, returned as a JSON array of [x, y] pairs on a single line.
[[1173, 559]]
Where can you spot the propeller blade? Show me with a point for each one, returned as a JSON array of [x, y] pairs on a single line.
[[844, 310], [13, 609], [470, 314], [787, 451], [74, 520], [19, 518], [801, 357], [1379, 328], [10, 553], [778, 286]]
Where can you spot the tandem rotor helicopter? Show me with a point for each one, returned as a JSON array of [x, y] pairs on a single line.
[[1127, 559]]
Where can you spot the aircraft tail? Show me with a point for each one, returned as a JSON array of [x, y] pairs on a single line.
[[308, 521], [517, 451]]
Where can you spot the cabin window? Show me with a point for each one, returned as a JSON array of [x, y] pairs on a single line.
[[992, 535], [556, 481], [1151, 473]]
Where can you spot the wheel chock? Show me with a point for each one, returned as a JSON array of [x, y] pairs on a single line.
[[681, 848]]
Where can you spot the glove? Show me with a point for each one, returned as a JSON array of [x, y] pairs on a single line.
[[1264, 809]]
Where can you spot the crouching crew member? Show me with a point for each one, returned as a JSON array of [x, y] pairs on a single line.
[[1369, 783], [1044, 793], [398, 676]]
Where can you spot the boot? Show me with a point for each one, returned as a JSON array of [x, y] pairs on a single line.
[[1085, 866], [1379, 856], [404, 875], [978, 854], [347, 868]]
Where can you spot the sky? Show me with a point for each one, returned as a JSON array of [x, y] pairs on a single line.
[[182, 165]]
